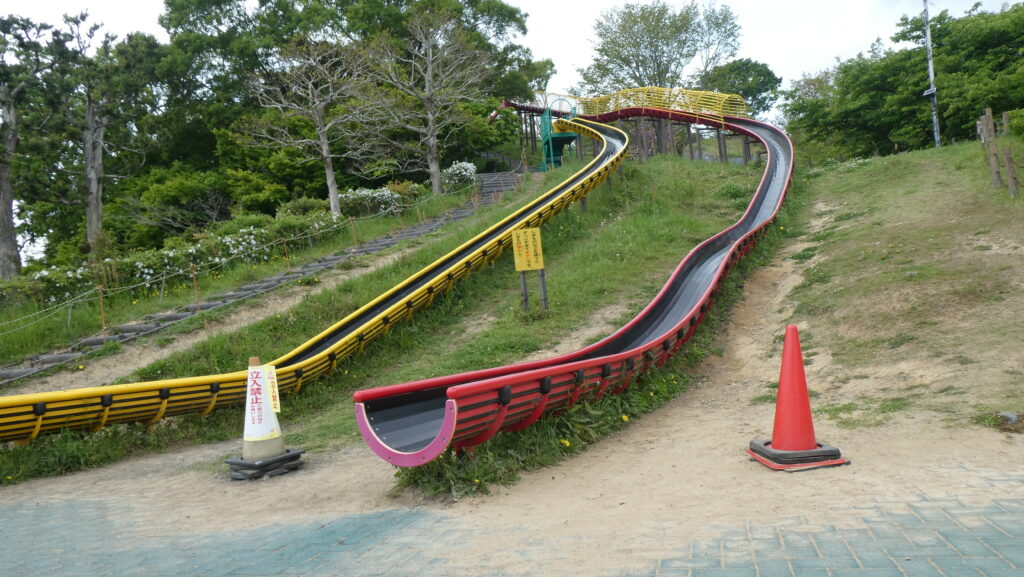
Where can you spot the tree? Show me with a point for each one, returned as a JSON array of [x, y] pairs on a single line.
[[874, 104], [718, 37], [641, 45], [754, 81], [421, 83], [312, 94], [27, 50]]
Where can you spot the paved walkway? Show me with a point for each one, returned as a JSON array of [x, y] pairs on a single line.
[[919, 537]]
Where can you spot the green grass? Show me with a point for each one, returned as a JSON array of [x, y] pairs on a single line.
[[629, 239], [919, 263], [49, 331], [501, 460]]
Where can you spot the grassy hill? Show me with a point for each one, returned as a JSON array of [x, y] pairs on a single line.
[[910, 301], [912, 290]]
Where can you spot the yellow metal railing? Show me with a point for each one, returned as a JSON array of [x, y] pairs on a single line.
[[24, 417], [706, 105]]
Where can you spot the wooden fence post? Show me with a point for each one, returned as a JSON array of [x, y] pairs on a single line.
[[1011, 172], [992, 150]]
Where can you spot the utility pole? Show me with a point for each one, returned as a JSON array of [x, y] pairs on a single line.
[[931, 76]]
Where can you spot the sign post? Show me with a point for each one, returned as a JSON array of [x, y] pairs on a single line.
[[529, 255]]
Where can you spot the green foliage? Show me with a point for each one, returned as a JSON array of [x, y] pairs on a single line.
[[407, 190], [652, 44], [1017, 121], [754, 81], [872, 104], [303, 206], [640, 45], [176, 200]]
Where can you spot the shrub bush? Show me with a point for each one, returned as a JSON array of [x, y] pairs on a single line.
[[458, 175], [303, 206], [366, 202]]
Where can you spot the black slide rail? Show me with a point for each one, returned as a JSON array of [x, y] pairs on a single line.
[[24, 417], [412, 423]]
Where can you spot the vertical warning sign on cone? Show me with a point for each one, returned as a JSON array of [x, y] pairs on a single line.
[[263, 451], [262, 436], [793, 444]]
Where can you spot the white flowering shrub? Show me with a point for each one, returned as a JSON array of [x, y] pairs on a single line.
[[458, 175], [151, 271], [370, 201]]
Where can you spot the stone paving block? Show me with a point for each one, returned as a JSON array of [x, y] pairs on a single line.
[[1011, 523], [766, 532], [800, 564], [967, 545], [843, 535], [832, 549], [689, 563], [886, 530], [867, 572], [906, 520], [917, 567], [979, 524], [948, 565], [738, 572], [711, 549], [796, 540], [872, 558], [788, 553], [1010, 505], [925, 538], [737, 561], [808, 573], [302, 567], [774, 568], [925, 552], [1012, 553], [1005, 573], [885, 544]]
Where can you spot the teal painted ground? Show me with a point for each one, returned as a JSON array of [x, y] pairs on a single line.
[[920, 537]]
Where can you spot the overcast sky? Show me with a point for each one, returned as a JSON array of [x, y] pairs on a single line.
[[792, 37]]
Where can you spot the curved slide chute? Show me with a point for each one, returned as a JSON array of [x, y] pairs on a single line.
[[412, 423], [24, 417]]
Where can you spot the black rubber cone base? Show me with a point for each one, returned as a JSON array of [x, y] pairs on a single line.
[[823, 456], [242, 470]]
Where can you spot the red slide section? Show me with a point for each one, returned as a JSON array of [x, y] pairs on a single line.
[[412, 423]]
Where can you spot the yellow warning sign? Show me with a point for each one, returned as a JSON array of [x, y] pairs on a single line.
[[527, 249]]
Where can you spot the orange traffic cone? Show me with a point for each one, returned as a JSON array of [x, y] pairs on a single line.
[[793, 445]]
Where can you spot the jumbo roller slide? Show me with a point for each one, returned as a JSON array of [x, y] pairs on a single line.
[[413, 423], [24, 417]]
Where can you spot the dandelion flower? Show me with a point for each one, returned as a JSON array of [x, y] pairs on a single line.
[[565, 442], [476, 481], [81, 367], [625, 418]]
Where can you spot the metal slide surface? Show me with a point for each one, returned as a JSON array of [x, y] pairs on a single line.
[[24, 417], [412, 423]]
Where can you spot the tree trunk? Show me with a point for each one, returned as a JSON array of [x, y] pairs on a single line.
[[10, 259], [92, 140], [661, 135], [433, 165], [328, 160]]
